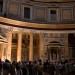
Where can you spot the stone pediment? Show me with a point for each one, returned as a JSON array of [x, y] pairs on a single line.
[[55, 43]]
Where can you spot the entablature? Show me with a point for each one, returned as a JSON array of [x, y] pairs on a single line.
[[36, 26]]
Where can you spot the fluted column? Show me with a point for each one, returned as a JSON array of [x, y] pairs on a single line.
[[31, 47], [19, 49], [9, 46]]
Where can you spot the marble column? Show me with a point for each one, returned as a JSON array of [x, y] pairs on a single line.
[[19, 49], [41, 46], [9, 46], [31, 47]]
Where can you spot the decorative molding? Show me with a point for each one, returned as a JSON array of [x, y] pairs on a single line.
[[13, 7], [14, 25]]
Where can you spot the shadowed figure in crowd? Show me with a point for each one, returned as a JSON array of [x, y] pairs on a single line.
[[13, 70], [18, 68], [6, 67], [46, 67], [24, 68], [30, 68], [36, 68]]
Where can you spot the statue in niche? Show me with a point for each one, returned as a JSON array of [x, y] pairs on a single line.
[[53, 53]]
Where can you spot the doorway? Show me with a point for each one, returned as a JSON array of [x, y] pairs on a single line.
[[53, 54]]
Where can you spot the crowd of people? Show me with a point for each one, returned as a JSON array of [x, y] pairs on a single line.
[[36, 68]]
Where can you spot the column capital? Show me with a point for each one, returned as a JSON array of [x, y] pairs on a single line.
[[10, 29], [20, 33]]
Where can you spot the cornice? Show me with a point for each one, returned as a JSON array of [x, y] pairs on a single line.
[[44, 4], [36, 1], [37, 26], [39, 1]]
